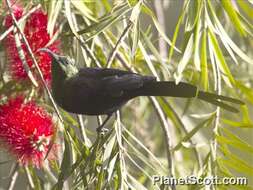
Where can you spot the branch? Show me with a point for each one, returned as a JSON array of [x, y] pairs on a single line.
[[29, 177], [13, 177], [34, 60], [165, 127], [116, 47], [10, 29], [214, 142], [160, 17]]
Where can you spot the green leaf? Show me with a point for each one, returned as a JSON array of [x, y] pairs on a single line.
[[35, 178], [246, 118], [152, 157], [245, 6], [227, 5], [97, 28], [248, 92], [108, 148], [193, 9], [148, 60], [101, 179], [234, 141], [135, 38], [176, 32], [225, 38], [191, 133], [111, 167], [197, 35], [65, 165], [237, 124], [136, 12], [220, 58], [132, 3], [69, 16], [107, 5], [83, 9], [158, 27], [149, 163], [184, 60], [204, 67], [236, 163], [153, 49], [54, 9], [136, 184]]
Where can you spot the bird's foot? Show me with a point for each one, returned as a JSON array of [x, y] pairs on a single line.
[[102, 130]]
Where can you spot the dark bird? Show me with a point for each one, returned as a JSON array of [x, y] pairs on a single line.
[[98, 91]]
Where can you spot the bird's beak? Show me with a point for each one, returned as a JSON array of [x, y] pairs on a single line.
[[52, 54]]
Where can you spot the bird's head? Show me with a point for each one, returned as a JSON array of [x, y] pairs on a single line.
[[62, 63]]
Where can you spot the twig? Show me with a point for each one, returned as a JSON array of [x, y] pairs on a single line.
[[88, 51], [10, 29], [197, 155], [21, 55], [74, 27], [29, 177], [120, 57], [165, 127], [82, 130], [13, 177], [160, 17], [34, 60], [115, 49], [49, 173], [216, 126], [119, 138]]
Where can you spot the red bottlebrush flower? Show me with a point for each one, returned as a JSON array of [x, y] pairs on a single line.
[[35, 31], [26, 130]]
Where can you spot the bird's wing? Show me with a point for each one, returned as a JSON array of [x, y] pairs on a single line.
[[101, 83], [100, 73], [123, 82], [114, 81], [117, 85]]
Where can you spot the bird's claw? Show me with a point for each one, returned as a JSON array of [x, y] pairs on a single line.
[[102, 130]]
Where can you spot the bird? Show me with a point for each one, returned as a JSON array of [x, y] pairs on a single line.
[[103, 91]]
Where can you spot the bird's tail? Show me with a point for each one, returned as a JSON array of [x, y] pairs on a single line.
[[217, 100], [185, 90]]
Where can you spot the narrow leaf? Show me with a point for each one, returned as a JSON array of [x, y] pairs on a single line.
[[204, 67], [220, 58], [185, 59], [227, 5]]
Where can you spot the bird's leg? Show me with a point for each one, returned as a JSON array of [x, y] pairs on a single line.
[[104, 122]]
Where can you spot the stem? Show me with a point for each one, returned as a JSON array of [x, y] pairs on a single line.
[[80, 39], [158, 4], [10, 29], [119, 138], [117, 45], [49, 174], [186, 131], [34, 60], [216, 126], [29, 177], [165, 127], [82, 130], [13, 177]]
